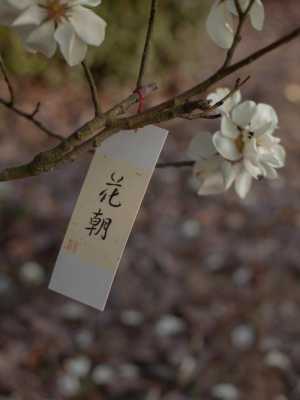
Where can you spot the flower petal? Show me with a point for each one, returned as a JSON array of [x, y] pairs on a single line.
[[254, 170], [267, 140], [243, 183], [270, 172], [257, 15], [24, 32], [213, 184], [201, 146], [90, 3], [71, 46], [280, 153], [243, 113], [229, 172], [228, 128], [209, 176], [251, 150], [42, 40], [264, 120], [89, 27], [33, 15], [272, 160], [229, 103], [203, 168], [8, 12], [226, 147], [219, 25]]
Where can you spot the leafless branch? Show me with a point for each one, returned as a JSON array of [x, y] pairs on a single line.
[[30, 116], [7, 81], [175, 164], [242, 15], [93, 89], [145, 54], [95, 131]]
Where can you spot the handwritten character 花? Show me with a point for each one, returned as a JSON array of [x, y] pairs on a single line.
[[111, 192]]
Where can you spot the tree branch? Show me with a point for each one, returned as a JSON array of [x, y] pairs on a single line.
[[145, 54], [30, 116], [93, 89], [227, 71], [98, 129], [7, 82], [175, 164], [237, 37]]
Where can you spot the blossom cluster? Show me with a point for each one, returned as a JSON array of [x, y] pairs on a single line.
[[244, 148], [43, 25]]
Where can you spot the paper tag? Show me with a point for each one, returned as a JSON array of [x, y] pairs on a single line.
[[104, 215]]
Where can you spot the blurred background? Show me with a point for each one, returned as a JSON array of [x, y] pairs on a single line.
[[206, 303]]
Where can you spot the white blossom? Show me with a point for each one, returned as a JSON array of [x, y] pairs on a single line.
[[244, 148], [220, 21], [208, 169], [45, 24]]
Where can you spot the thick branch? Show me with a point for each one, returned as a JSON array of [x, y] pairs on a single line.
[[65, 151], [95, 131]]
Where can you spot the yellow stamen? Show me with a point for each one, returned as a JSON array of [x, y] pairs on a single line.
[[56, 10], [239, 142]]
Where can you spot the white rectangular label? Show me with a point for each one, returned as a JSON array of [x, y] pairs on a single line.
[[105, 212]]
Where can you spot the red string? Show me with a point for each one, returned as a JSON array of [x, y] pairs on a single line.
[[141, 106]]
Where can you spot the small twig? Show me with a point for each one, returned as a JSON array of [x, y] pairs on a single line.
[[238, 7], [242, 15], [175, 164], [10, 104], [31, 117], [36, 110], [93, 89], [7, 82], [145, 54], [200, 115], [206, 110], [238, 84]]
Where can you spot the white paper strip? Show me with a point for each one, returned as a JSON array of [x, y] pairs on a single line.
[[105, 212]]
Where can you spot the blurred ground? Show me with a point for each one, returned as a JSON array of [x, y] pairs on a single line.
[[206, 304]]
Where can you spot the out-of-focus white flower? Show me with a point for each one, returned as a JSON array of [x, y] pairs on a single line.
[[220, 21], [78, 367], [243, 149], [103, 374], [44, 24], [208, 175], [32, 273]]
